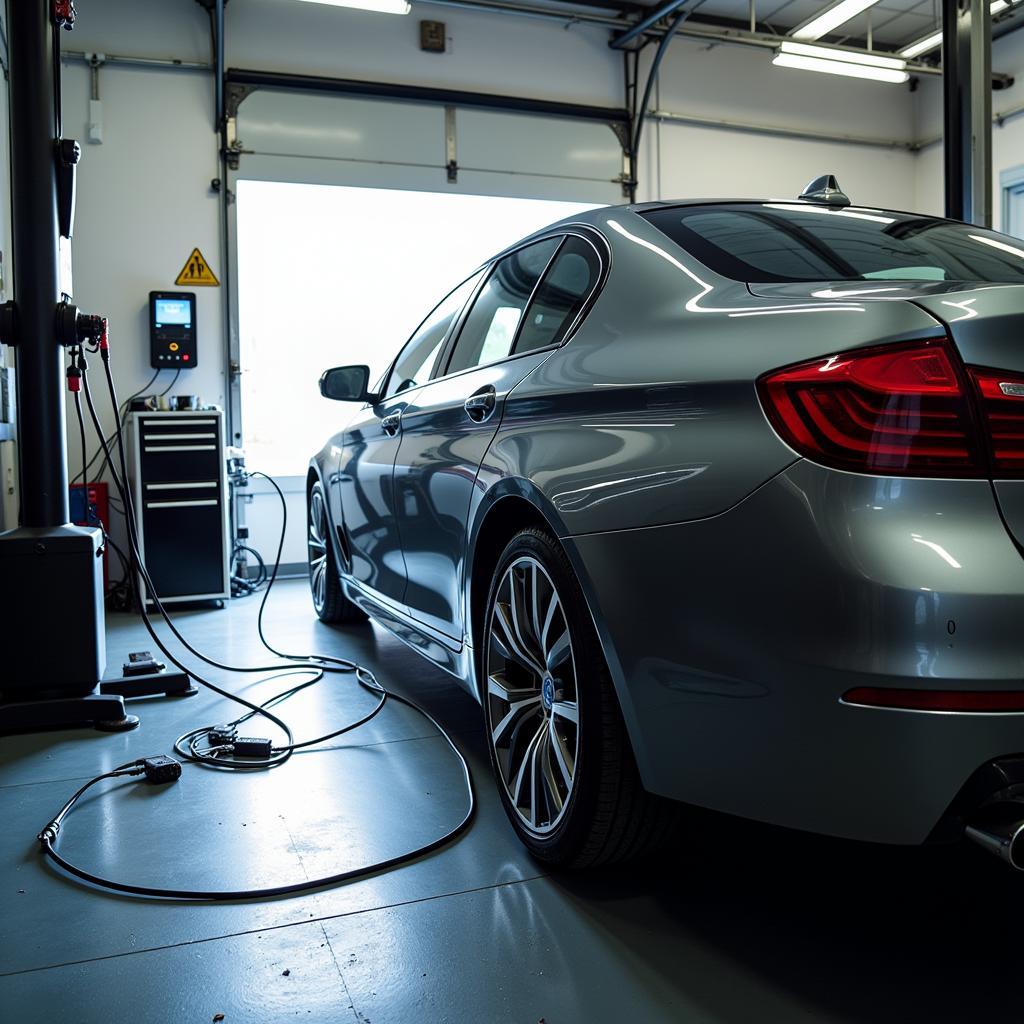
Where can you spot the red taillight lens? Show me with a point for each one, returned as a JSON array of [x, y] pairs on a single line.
[[1002, 402], [899, 410]]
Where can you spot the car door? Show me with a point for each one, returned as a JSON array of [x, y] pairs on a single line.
[[368, 529], [518, 316]]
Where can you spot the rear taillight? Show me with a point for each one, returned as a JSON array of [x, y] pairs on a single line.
[[901, 410], [1002, 403]]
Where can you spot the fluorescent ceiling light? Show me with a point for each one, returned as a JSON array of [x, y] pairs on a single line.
[[839, 67], [380, 6], [873, 60], [832, 18], [922, 45], [933, 40]]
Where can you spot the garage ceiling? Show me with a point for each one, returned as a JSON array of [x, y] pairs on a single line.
[[894, 23]]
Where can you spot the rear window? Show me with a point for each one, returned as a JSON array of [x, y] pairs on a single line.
[[779, 242]]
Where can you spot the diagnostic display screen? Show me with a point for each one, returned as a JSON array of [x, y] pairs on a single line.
[[177, 312], [172, 330]]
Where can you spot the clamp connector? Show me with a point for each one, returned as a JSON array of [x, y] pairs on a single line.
[[161, 769], [48, 835], [74, 375], [221, 734]]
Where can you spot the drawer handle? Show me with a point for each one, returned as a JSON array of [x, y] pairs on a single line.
[[178, 423], [177, 437], [180, 487], [180, 448], [180, 504]]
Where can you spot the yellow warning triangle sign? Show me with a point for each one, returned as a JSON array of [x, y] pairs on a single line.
[[197, 271]]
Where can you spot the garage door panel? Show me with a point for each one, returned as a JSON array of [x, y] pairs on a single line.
[[527, 144], [339, 140], [336, 127]]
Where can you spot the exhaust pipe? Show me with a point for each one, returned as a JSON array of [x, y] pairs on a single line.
[[999, 828]]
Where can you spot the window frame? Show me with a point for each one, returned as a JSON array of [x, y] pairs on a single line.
[[588, 297], [581, 231], [587, 232], [383, 396]]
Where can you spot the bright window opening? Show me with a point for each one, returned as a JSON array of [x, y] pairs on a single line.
[[331, 275]]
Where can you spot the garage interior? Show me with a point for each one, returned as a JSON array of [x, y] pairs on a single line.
[[314, 174]]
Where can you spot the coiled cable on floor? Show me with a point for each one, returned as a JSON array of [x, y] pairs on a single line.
[[190, 744]]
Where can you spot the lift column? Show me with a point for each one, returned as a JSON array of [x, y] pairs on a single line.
[[967, 118], [52, 625]]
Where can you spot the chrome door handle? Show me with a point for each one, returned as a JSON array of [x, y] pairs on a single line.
[[481, 403], [391, 424]]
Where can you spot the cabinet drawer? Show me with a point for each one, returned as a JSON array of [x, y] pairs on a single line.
[[184, 541]]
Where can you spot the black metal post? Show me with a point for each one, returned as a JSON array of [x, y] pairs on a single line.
[[40, 372], [51, 569], [967, 121], [218, 71]]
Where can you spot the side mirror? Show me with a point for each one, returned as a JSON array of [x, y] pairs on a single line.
[[346, 383]]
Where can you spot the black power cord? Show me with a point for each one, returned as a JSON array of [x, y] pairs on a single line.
[[223, 748]]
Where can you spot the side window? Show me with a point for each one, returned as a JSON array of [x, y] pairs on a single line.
[[561, 295], [490, 327], [417, 359]]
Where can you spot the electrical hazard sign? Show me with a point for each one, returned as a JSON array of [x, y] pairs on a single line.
[[197, 272]]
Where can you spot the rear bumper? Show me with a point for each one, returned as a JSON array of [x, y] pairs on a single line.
[[733, 639]]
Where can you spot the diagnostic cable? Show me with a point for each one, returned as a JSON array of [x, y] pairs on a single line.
[[219, 746]]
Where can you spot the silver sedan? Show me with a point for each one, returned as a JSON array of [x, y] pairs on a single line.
[[718, 502]]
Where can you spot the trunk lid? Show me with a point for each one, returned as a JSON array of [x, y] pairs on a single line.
[[985, 323]]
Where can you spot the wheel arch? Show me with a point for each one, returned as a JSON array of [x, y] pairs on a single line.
[[510, 507]]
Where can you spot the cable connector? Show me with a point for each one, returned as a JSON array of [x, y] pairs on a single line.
[[251, 746], [161, 769], [48, 834], [219, 734], [74, 375]]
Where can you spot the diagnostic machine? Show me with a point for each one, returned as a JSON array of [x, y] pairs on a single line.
[[172, 330]]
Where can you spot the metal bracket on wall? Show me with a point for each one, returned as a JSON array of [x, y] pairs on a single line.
[[234, 93], [626, 179], [450, 153]]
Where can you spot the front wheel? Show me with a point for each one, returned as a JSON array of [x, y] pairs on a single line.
[[330, 603], [559, 749]]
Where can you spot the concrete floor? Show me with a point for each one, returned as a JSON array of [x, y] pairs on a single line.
[[736, 922]]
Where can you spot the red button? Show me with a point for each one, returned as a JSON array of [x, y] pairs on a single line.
[[185, 357]]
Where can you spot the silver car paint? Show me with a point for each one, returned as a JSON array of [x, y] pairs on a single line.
[[739, 591]]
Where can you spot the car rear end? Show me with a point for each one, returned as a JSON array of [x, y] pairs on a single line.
[[843, 649]]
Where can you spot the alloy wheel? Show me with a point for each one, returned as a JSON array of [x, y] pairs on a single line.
[[317, 545], [532, 695]]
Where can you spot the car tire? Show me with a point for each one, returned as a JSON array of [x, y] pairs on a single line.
[[329, 601], [558, 745]]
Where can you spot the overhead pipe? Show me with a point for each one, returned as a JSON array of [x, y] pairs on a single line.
[[162, 63], [218, 74], [622, 41], [769, 129], [652, 77]]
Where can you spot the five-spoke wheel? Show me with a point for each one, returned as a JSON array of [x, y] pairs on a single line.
[[532, 694]]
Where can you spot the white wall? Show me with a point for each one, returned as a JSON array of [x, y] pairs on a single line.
[[1007, 138], [735, 83], [144, 197]]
